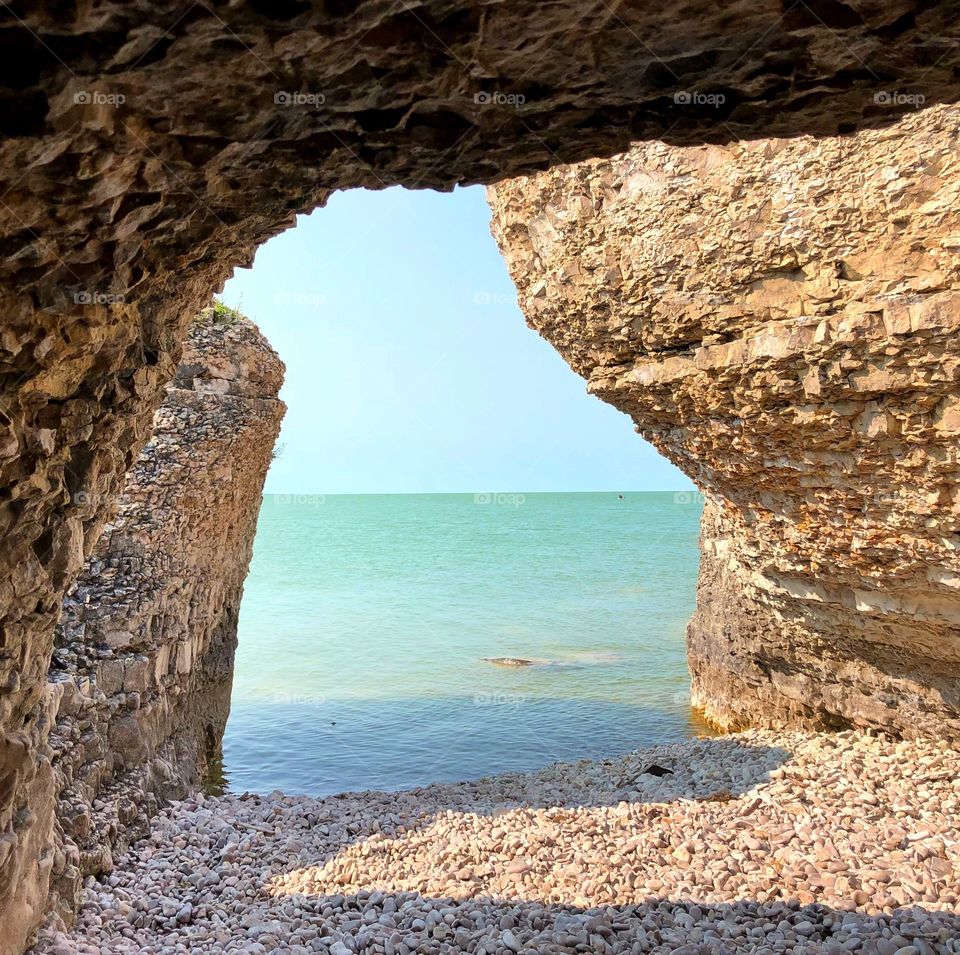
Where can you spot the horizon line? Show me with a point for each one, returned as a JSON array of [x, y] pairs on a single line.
[[668, 490]]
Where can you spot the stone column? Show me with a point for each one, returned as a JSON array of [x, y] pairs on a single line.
[[781, 318], [143, 662]]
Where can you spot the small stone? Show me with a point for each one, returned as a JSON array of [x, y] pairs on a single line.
[[510, 941]]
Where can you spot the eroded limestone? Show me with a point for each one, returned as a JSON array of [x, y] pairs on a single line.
[[143, 667], [149, 149], [780, 318]]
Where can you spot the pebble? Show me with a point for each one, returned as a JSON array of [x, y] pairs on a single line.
[[822, 843]]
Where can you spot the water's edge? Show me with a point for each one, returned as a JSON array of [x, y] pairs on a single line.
[[368, 622]]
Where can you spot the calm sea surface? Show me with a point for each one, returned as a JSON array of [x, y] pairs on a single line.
[[367, 619]]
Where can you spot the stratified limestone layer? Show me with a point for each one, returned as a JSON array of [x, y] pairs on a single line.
[[142, 670], [782, 320], [149, 148]]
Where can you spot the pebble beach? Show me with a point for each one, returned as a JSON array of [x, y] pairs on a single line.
[[760, 842]]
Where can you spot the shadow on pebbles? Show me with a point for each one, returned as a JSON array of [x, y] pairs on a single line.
[[759, 842]]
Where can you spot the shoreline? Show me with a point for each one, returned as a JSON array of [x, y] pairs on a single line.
[[760, 841]]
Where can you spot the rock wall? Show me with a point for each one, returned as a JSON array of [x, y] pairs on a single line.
[[142, 670], [782, 320], [147, 152]]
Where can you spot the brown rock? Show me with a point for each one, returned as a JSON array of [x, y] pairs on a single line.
[[147, 152], [149, 630], [785, 331]]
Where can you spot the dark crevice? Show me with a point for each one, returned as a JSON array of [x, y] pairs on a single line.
[[281, 10], [24, 114], [336, 9], [819, 13], [156, 52], [43, 546], [379, 120], [906, 22]]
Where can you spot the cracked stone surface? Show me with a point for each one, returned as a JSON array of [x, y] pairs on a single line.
[[139, 686], [143, 664], [780, 318], [147, 152]]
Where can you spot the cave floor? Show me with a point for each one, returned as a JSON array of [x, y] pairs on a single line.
[[756, 842]]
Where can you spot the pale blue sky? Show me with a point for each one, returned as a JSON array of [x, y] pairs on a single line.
[[410, 367]]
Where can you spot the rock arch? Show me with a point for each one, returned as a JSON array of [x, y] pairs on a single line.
[[780, 318], [149, 152]]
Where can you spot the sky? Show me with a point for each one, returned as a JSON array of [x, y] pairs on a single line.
[[410, 367]]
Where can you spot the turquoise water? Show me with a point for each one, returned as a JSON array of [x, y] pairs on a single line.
[[367, 619]]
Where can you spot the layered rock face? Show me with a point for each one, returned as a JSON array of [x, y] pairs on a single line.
[[782, 320], [148, 151], [142, 671]]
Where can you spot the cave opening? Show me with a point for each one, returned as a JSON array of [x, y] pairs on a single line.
[[443, 498], [506, 586], [348, 589], [421, 520], [149, 152]]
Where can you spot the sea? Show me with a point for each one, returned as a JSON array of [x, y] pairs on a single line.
[[373, 631]]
